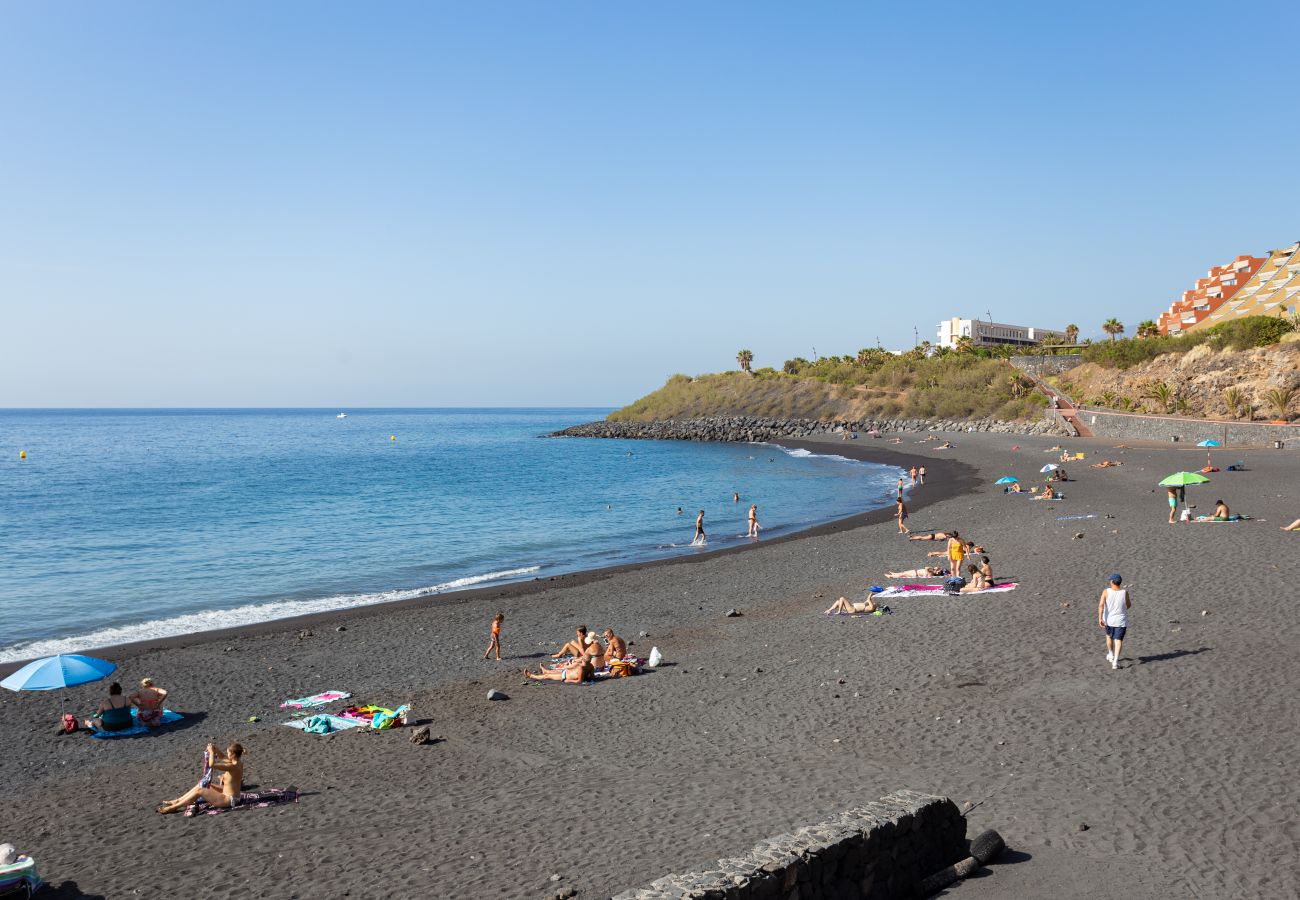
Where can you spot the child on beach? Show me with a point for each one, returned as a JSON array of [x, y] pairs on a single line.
[[900, 512], [1112, 615], [494, 643]]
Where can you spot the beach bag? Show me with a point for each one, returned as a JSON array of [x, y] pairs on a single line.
[[69, 723], [621, 668], [954, 585], [655, 658]]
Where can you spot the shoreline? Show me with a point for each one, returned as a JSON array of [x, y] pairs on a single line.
[[954, 477]]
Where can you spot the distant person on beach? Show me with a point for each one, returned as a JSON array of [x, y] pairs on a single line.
[[494, 640], [946, 445], [1294, 526], [148, 702], [900, 487], [1172, 497], [923, 572], [572, 672], [114, 713], [1014, 488], [753, 521], [1112, 615], [1049, 493], [976, 581], [575, 647], [913, 472], [931, 536], [1221, 513], [615, 646], [1106, 464], [900, 512], [956, 553], [699, 529], [986, 569], [920, 474], [223, 790], [594, 651], [843, 605]]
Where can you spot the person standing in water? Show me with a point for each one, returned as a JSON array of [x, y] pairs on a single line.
[[699, 529], [912, 472], [753, 521], [1112, 615], [735, 497]]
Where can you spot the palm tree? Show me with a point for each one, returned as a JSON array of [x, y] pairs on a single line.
[[1280, 399], [1072, 334], [1112, 327], [1233, 399], [745, 358], [965, 344], [1162, 394], [1147, 329]]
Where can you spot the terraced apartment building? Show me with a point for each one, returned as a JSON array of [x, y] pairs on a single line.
[[1220, 285]]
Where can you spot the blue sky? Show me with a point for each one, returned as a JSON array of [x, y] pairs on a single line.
[[339, 204]]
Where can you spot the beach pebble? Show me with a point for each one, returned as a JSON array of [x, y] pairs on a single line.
[[494, 694], [557, 877], [1078, 535], [341, 628], [644, 634], [758, 670], [1205, 612], [733, 613], [1084, 826]]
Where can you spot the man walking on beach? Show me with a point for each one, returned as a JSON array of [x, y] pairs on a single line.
[[1112, 615], [699, 529]]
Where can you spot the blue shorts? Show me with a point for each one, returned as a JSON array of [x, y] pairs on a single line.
[[1116, 632]]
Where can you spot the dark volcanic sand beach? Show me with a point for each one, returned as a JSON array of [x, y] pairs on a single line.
[[1179, 764]]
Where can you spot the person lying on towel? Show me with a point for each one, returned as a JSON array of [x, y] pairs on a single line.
[[573, 672], [843, 605]]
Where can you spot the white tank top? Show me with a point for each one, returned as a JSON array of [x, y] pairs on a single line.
[[1116, 607]]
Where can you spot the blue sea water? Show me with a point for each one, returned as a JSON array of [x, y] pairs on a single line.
[[124, 525]]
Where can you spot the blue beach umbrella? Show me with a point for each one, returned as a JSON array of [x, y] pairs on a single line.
[[55, 672], [1210, 443], [1006, 479]]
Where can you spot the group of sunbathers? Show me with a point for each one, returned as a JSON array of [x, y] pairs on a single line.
[[979, 571], [580, 658], [115, 712]]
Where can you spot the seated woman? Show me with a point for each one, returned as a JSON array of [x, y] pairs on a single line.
[[975, 581], [1049, 493], [931, 536], [845, 607], [225, 786], [986, 569], [114, 714], [574, 647], [594, 652], [923, 572], [572, 672], [148, 702], [1014, 488]]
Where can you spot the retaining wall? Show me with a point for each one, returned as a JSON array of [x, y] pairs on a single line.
[[881, 851], [757, 428], [1042, 366], [1129, 426]]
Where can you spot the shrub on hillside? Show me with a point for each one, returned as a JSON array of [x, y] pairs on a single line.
[[1241, 334]]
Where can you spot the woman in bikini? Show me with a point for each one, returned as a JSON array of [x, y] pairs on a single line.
[[573, 672], [148, 702], [977, 581], [923, 572], [224, 789], [845, 607]]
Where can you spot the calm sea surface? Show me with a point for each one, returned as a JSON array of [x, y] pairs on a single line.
[[123, 525]]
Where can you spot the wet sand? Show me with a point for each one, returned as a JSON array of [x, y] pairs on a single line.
[[1178, 763]]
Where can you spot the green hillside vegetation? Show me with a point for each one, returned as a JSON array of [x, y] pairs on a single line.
[[874, 384], [1241, 334]]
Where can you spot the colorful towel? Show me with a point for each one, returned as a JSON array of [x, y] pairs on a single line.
[[315, 700], [20, 874], [938, 589], [1210, 520], [332, 724], [247, 800], [1073, 518], [168, 717]]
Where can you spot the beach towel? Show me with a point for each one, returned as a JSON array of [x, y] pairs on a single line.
[[1072, 518], [247, 800], [929, 589], [315, 700], [324, 724], [882, 611], [1210, 520], [20, 875], [168, 717]]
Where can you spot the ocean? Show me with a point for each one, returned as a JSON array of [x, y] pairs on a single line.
[[125, 525]]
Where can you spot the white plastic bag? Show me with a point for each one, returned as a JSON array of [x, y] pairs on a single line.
[[655, 658]]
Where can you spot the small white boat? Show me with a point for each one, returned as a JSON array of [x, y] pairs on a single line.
[[341, 416]]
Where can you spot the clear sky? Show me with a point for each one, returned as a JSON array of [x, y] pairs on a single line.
[[553, 203]]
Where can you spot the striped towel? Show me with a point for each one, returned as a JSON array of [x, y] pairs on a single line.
[[315, 700]]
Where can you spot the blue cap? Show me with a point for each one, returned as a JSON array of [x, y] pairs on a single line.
[[1116, 578], [876, 589]]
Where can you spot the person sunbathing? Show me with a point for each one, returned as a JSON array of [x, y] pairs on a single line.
[[1221, 513], [844, 606], [225, 786], [975, 582], [1106, 464], [1294, 526], [986, 569], [1049, 493], [574, 647], [572, 672], [148, 702], [615, 646], [946, 445], [923, 572], [114, 714], [932, 536]]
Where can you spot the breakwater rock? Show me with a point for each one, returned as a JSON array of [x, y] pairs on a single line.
[[755, 428]]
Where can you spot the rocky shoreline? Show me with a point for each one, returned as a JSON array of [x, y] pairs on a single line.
[[757, 428]]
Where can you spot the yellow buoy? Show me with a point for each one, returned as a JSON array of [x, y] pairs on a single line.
[[392, 437], [22, 454]]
